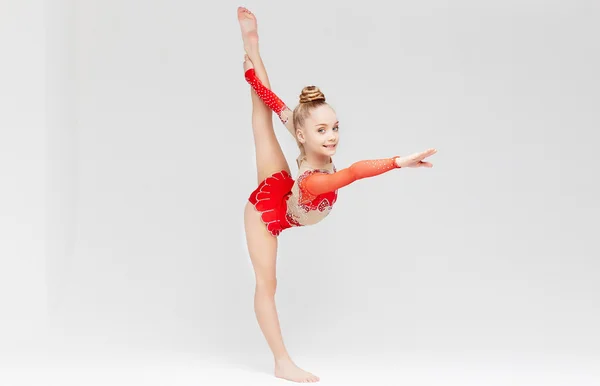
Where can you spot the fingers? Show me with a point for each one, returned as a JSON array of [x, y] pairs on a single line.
[[427, 153], [420, 164], [247, 63], [424, 154]]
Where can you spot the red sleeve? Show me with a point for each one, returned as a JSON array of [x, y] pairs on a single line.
[[320, 183], [266, 95]]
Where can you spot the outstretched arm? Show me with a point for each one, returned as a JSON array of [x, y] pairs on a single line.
[[270, 98], [320, 183]]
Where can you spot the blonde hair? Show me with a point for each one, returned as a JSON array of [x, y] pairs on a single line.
[[310, 98]]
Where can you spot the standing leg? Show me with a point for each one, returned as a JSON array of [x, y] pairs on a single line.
[[269, 156], [262, 247]]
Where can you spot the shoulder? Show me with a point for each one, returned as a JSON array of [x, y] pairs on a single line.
[[311, 172], [312, 178]]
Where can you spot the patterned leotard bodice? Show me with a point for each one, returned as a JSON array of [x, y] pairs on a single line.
[[304, 208]]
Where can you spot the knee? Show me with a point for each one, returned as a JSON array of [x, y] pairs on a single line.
[[266, 286]]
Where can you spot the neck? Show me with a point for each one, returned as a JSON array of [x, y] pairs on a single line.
[[318, 160]]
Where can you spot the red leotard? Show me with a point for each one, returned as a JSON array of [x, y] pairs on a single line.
[[314, 192]]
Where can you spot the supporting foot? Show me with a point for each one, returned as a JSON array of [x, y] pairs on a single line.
[[286, 369]]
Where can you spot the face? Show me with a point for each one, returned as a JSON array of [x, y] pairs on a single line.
[[320, 132]]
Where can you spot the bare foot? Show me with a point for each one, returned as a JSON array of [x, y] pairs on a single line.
[[249, 30], [286, 369]]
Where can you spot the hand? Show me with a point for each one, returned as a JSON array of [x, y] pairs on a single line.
[[247, 63], [416, 160]]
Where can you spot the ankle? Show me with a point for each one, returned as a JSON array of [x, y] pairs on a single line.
[[283, 359]]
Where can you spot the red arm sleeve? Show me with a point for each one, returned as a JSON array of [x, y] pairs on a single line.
[[266, 95], [320, 183]]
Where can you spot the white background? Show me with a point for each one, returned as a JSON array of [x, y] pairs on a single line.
[[126, 159]]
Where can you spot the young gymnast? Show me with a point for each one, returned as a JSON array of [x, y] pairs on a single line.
[[280, 202]]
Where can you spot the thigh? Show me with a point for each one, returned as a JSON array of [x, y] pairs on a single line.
[[262, 245], [269, 155]]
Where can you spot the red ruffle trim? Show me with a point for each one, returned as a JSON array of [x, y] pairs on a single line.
[[269, 200]]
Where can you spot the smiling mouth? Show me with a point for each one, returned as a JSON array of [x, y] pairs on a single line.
[[330, 146]]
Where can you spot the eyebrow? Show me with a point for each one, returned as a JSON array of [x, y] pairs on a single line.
[[324, 124]]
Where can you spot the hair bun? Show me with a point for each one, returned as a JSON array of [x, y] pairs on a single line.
[[310, 94]]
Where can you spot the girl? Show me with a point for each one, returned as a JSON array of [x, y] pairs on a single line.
[[280, 202]]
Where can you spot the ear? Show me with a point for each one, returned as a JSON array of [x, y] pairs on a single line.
[[300, 136]]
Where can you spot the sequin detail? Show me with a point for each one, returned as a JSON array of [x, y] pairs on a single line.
[[303, 208], [266, 95], [320, 183], [311, 201]]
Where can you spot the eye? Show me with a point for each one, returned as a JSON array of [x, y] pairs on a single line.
[[336, 128]]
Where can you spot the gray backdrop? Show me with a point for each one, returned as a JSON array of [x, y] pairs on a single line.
[[145, 162]]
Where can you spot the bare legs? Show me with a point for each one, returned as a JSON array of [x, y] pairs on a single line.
[[269, 156], [262, 246]]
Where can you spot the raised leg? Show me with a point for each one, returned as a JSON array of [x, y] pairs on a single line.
[[269, 155], [262, 246], [251, 46]]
